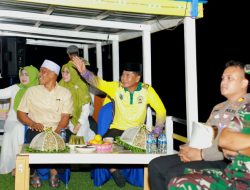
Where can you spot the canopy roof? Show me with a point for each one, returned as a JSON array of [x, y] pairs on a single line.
[[92, 23], [89, 21]]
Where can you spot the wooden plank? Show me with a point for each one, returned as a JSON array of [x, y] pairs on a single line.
[[22, 173], [146, 182]]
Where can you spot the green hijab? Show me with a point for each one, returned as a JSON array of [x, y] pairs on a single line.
[[33, 74], [78, 89]]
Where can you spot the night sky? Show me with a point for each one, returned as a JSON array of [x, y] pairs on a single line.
[[222, 35]]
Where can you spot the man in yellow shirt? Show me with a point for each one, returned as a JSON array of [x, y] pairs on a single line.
[[131, 99]]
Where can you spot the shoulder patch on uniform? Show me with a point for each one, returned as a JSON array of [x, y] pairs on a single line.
[[219, 106], [241, 99], [145, 86]]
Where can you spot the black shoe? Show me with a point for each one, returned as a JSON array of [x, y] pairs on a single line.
[[118, 178]]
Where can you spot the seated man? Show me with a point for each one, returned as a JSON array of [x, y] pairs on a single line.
[[131, 98], [235, 145], [45, 105], [234, 85]]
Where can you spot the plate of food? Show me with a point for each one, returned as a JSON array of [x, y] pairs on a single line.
[[85, 149]]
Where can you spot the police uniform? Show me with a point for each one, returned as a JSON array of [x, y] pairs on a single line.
[[237, 174], [223, 113], [221, 116]]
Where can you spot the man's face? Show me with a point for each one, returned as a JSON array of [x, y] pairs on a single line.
[[233, 82], [129, 79], [46, 76]]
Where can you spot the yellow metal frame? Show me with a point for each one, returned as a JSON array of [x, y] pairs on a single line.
[[180, 138], [159, 7]]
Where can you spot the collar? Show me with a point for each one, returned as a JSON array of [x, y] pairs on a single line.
[[138, 88]]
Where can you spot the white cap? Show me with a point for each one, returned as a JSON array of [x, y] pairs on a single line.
[[51, 66]]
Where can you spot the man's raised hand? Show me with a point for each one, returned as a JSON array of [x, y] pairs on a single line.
[[79, 64]]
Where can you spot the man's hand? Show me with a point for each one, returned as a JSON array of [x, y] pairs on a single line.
[[229, 153], [58, 130], [79, 64], [37, 127], [63, 122], [183, 158], [188, 154], [157, 131]]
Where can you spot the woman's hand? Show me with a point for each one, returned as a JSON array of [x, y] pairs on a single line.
[[76, 128]]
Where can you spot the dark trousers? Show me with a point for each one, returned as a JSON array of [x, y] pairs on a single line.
[[164, 168], [29, 135], [113, 133]]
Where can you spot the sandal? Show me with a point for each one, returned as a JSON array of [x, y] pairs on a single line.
[[118, 178], [54, 181], [35, 181]]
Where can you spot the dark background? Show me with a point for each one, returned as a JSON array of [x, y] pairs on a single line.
[[222, 35]]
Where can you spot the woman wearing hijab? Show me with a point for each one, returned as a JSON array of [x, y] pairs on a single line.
[[13, 137], [79, 123]]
